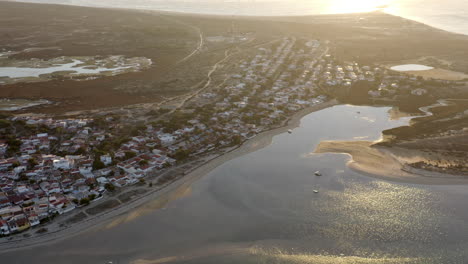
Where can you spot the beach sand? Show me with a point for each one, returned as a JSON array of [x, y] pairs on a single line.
[[387, 163]]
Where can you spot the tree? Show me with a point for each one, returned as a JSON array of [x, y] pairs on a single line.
[[143, 163], [98, 164], [80, 151], [236, 140], [110, 187], [4, 123], [23, 177], [16, 164], [129, 155], [13, 145], [181, 154], [32, 163], [84, 201]]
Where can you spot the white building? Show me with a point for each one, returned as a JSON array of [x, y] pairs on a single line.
[[61, 164], [106, 159], [166, 139]]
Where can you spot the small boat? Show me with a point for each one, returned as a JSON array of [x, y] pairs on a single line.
[[315, 191], [317, 173], [290, 131], [358, 112]]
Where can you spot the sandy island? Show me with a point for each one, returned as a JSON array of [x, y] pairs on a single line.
[[387, 163]]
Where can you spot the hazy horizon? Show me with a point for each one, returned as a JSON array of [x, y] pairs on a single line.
[[452, 16]]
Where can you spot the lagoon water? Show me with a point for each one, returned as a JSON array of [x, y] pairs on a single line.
[[261, 208], [411, 67], [451, 15], [18, 104], [22, 72]]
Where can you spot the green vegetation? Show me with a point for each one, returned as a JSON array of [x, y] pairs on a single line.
[[236, 140], [181, 154], [129, 155], [110, 187], [84, 201], [4, 123], [98, 164]]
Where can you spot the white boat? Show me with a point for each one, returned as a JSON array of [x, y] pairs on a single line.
[[290, 131], [316, 191], [317, 173]]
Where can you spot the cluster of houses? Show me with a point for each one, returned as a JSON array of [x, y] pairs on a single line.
[[345, 74], [36, 185], [28, 197], [273, 82], [393, 84]]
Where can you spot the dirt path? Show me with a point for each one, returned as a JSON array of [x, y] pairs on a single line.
[[201, 42]]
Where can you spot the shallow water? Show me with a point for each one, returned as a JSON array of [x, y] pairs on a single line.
[[411, 67], [261, 208], [17, 104], [22, 72]]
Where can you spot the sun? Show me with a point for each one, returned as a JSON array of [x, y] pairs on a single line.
[[356, 6]]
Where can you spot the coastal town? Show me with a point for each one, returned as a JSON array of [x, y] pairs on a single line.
[[52, 166], [233, 131]]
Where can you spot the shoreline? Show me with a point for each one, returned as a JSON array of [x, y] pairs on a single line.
[[385, 163], [165, 194], [420, 20]]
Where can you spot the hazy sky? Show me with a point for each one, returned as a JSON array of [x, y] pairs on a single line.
[[447, 14]]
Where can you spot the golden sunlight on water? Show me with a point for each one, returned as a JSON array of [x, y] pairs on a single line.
[[356, 6], [383, 212], [279, 256]]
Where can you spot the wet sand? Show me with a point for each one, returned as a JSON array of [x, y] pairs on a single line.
[[387, 163]]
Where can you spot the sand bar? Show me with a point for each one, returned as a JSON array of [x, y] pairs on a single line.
[[386, 163]]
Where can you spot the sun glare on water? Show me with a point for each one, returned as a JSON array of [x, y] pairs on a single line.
[[356, 6]]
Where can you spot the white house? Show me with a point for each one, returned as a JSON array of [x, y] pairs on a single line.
[[106, 159], [4, 230], [102, 180], [61, 164], [166, 139]]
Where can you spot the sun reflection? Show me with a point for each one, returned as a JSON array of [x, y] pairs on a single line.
[[357, 6]]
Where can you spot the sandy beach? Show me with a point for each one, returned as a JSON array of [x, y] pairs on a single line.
[[160, 197], [387, 164]]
